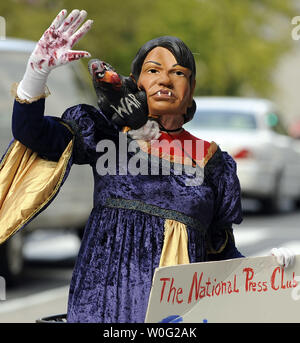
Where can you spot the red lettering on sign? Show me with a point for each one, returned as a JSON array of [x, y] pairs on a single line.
[[249, 276], [173, 293], [283, 284], [273, 276], [195, 284], [179, 301], [172, 289], [236, 290], [163, 287]]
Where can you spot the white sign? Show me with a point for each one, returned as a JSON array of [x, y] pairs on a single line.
[[238, 290]]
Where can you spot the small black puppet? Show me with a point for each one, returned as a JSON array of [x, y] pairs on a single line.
[[118, 96]]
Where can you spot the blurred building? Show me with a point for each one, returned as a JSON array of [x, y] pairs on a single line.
[[287, 81]]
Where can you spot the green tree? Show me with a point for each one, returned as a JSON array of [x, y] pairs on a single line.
[[236, 44]]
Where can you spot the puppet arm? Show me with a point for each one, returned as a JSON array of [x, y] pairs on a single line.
[[53, 50], [45, 135], [42, 134]]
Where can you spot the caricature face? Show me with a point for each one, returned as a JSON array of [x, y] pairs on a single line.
[[166, 83]]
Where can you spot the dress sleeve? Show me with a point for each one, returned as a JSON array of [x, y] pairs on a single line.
[[88, 126], [227, 209], [49, 135], [42, 134], [79, 120]]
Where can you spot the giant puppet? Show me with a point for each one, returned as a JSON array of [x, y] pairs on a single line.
[[139, 220]]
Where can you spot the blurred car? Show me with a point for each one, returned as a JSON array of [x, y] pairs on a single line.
[[252, 132], [294, 129], [68, 86]]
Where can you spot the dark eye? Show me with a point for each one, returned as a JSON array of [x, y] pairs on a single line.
[[152, 71], [179, 73]]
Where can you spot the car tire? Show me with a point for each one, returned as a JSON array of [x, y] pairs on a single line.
[[11, 259], [272, 204], [297, 203], [80, 232]]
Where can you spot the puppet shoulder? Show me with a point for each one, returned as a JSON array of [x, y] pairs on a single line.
[[208, 149]]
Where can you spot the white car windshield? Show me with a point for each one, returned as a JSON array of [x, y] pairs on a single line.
[[222, 119]]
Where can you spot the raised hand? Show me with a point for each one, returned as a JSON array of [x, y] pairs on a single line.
[[54, 49]]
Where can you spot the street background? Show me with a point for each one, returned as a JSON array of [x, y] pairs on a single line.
[[242, 48]]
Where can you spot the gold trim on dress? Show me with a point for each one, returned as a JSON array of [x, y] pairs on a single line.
[[211, 250], [27, 184], [210, 152], [14, 93]]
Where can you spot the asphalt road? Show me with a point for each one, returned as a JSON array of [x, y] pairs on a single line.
[[43, 287], [50, 257]]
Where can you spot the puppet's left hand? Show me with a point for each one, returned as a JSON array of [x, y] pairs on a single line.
[[284, 256], [53, 50]]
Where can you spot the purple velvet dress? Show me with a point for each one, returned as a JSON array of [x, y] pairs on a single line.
[[124, 235]]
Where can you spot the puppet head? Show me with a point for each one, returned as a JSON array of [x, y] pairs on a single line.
[[182, 54]]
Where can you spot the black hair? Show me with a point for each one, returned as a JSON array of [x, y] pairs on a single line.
[[180, 51], [176, 46]]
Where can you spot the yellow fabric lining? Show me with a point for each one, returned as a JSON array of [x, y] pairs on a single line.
[[27, 184], [175, 248]]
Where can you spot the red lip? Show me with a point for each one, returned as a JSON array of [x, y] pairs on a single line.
[[163, 94]]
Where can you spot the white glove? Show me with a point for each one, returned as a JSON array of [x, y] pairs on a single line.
[[284, 256], [53, 50]]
